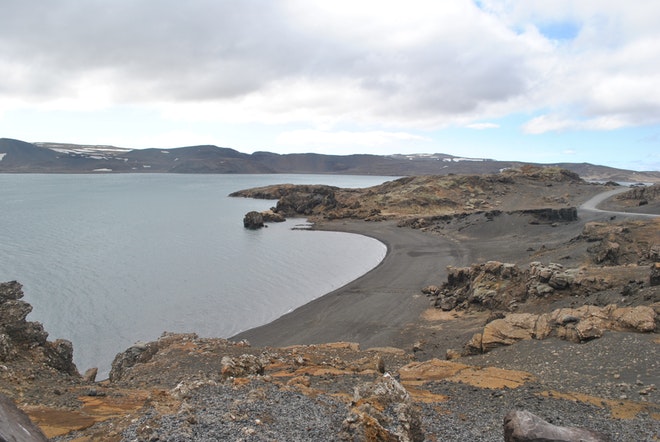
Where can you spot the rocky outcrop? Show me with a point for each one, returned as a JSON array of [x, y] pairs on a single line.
[[307, 200], [492, 285], [20, 338], [621, 243], [383, 412], [505, 287], [545, 195], [270, 216], [577, 325], [523, 426], [138, 353], [241, 366], [253, 220], [564, 214], [642, 194]]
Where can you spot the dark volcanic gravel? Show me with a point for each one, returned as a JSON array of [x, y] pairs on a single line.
[[257, 412]]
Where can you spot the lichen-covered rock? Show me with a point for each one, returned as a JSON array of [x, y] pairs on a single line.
[[383, 412], [506, 331], [242, 366], [576, 325]]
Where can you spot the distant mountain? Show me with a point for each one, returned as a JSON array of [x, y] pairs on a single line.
[[21, 157]]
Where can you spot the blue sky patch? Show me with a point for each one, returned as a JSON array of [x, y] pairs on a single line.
[[560, 30]]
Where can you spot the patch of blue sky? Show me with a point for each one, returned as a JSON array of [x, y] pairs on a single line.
[[564, 30], [627, 148]]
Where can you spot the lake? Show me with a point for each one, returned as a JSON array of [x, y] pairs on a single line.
[[109, 260]]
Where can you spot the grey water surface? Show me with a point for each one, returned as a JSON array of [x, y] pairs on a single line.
[[109, 260]]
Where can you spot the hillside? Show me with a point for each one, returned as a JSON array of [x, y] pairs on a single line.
[[21, 157]]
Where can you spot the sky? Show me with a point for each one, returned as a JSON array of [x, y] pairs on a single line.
[[541, 81]]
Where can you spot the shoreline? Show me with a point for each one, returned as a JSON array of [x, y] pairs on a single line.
[[384, 300], [388, 297]]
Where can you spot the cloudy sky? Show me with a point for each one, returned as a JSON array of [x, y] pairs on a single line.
[[531, 80]]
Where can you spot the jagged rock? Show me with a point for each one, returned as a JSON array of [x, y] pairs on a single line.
[[253, 220], [383, 412], [523, 426], [90, 375], [29, 339], [59, 355], [139, 353], [242, 366], [15, 425]]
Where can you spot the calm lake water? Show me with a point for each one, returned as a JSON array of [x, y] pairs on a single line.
[[109, 260]]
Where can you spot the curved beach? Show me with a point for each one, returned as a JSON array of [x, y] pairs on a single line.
[[381, 302]]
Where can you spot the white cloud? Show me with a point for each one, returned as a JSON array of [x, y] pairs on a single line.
[[422, 64], [374, 141], [483, 126]]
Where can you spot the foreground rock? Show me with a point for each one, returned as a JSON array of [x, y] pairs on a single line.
[[16, 426], [523, 426], [383, 411]]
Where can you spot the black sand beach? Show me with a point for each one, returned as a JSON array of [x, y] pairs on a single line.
[[369, 310]]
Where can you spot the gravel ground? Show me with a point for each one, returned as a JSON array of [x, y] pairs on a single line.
[[262, 412], [257, 412]]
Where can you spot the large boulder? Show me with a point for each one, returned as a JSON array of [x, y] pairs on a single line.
[[253, 220], [383, 412], [523, 426], [15, 425]]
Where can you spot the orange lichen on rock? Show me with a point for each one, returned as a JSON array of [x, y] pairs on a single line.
[[620, 408], [419, 373]]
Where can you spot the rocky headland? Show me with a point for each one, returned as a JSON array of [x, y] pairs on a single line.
[[503, 311]]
